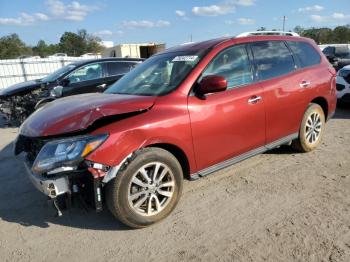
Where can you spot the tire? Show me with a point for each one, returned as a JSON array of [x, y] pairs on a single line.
[[123, 195], [311, 129]]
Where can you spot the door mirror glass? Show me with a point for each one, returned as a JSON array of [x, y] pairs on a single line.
[[212, 84], [56, 91]]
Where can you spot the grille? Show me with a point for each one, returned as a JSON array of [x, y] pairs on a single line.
[[31, 146], [340, 87]]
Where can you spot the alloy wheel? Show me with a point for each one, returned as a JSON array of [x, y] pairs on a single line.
[[313, 127], [151, 188]]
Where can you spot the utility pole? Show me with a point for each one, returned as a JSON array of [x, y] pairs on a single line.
[[191, 38], [284, 22]]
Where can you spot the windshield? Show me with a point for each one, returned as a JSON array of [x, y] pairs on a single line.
[[158, 75], [56, 74]]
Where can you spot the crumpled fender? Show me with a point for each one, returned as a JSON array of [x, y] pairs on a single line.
[[76, 113]]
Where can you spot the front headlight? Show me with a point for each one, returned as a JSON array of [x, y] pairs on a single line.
[[343, 72], [66, 152]]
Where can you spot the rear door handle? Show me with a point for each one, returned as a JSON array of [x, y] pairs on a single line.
[[304, 84], [254, 99]]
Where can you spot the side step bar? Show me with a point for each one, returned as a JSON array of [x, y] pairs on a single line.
[[236, 159]]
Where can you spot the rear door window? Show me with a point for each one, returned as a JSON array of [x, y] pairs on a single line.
[[119, 68], [272, 59], [305, 53]]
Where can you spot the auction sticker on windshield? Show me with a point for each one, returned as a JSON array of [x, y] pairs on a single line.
[[185, 58]]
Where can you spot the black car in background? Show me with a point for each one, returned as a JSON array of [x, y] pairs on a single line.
[[17, 102], [338, 56]]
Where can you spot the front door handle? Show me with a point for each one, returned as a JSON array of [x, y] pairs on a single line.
[[304, 84], [254, 99]]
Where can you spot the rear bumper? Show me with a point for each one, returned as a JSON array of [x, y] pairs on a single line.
[[50, 187]]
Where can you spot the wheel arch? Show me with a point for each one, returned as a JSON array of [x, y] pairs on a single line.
[[178, 153], [322, 102]]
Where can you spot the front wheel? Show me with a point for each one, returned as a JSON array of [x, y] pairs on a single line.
[[147, 189], [311, 129]]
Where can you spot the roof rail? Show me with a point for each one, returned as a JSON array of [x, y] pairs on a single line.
[[267, 33]]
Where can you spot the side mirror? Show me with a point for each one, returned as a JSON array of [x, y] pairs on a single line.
[[212, 84], [56, 91], [65, 82]]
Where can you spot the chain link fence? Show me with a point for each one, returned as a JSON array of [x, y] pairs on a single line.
[[14, 71]]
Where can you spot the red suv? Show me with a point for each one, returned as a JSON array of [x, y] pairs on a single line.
[[185, 112]]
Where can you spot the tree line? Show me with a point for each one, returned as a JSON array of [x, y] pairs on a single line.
[[73, 44], [324, 35], [76, 44]]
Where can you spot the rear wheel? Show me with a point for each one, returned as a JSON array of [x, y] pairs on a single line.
[[147, 190], [311, 129]]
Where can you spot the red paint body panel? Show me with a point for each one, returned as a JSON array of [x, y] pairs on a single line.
[[76, 113], [225, 125], [207, 131], [166, 123]]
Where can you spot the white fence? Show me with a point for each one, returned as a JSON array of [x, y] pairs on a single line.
[[14, 71]]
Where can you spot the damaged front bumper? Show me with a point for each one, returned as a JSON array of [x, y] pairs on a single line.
[[83, 186], [51, 187]]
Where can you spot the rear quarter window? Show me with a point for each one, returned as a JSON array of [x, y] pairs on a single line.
[[305, 53], [272, 59]]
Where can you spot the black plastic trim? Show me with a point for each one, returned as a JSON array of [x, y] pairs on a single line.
[[243, 156]]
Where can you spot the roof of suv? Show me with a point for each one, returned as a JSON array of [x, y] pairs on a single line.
[[195, 46], [204, 45]]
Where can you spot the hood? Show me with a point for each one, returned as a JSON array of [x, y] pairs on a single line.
[[20, 88], [76, 113]]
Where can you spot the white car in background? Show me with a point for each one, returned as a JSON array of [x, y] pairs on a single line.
[[343, 85], [91, 55], [58, 55]]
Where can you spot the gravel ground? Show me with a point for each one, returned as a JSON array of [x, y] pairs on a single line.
[[278, 206]]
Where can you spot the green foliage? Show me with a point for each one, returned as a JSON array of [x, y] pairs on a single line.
[[338, 35], [73, 44], [77, 44], [44, 50], [11, 46]]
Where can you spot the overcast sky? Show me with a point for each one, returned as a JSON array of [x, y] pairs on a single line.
[[172, 22]]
